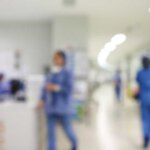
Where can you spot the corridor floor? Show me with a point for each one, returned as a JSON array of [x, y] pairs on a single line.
[[111, 126]]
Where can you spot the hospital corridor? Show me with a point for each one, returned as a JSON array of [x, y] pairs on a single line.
[[74, 75]]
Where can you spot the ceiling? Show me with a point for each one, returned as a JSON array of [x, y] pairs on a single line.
[[107, 17], [44, 9]]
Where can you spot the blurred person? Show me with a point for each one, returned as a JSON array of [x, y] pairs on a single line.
[[17, 89], [56, 97], [143, 80], [4, 87], [118, 85]]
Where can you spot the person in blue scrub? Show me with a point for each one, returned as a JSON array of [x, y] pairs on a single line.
[[143, 80], [118, 85], [4, 88], [57, 99]]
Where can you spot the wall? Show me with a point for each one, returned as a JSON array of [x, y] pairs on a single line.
[[33, 39], [70, 31], [37, 40]]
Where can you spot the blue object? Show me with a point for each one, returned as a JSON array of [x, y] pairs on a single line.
[[4, 88], [59, 102], [58, 106], [145, 115], [65, 122], [118, 86], [118, 92], [143, 79]]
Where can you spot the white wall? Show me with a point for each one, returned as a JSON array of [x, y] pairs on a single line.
[[37, 40], [70, 31], [33, 39]]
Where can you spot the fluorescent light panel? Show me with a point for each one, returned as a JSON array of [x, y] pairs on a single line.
[[108, 48]]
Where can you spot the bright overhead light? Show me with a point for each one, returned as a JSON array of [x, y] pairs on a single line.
[[104, 54], [118, 39], [102, 57], [109, 47], [149, 10]]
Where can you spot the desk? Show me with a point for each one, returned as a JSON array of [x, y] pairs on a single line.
[[18, 126]]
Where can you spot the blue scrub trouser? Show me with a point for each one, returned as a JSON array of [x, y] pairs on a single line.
[[118, 93], [65, 122], [145, 115]]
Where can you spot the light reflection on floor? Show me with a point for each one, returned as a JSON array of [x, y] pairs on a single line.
[[118, 124]]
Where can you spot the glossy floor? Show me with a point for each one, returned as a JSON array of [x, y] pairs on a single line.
[[110, 126]]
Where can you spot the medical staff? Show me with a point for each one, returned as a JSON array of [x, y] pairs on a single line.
[[143, 80], [57, 99], [118, 85], [4, 88]]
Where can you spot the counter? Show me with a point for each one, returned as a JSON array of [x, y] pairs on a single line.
[[18, 126]]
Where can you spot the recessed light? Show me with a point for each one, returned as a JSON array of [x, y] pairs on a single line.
[[149, 10]]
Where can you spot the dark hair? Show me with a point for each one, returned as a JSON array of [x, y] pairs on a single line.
[[62, 54], [146, 62]]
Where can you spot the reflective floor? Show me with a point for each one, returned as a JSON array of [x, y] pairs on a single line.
[[117, 125], [111, 126]]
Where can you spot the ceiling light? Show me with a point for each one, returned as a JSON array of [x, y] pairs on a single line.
[[102, 57], [118, 39], [102, 60], [104, 54], [110, 46], [149, 10]]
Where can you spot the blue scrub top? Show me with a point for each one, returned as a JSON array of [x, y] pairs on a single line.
[[4, 88], [59, 102], [143, 79]]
